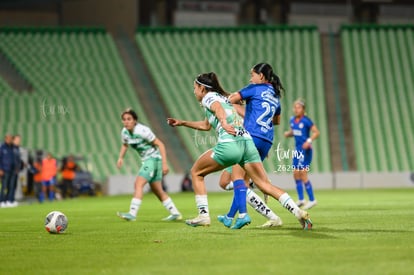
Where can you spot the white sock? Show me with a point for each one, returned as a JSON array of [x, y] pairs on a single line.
[[259, 205], [202, 205], [134, 207], [170, 206], [287, 202], [229, 186]]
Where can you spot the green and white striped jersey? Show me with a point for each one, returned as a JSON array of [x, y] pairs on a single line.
[[232, 118], [141, 140]]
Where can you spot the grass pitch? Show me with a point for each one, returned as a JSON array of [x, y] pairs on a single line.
[[355, 232]]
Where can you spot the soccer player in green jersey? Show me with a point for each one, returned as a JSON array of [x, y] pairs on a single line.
[[234, 146], [154, 165]]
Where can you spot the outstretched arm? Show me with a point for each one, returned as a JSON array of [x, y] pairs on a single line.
[[203, 125]]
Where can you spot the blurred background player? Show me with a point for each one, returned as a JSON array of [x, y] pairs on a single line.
[[234, 146], [68, 170], [187, 183], [7, 170], [37, 176], [262, 112], [49, 170], [301, 128], [154, 165], [18, 166]]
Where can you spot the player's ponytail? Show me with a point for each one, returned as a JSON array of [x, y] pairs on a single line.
[[211, 83], [270, 76], [277, 85]]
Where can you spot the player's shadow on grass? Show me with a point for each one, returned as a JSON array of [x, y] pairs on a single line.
[[327, 232], [333, 233], [298, 232], [361, 230]]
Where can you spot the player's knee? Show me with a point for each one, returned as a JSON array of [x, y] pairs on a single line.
[[196, 173], [304, 177], [193, 171]]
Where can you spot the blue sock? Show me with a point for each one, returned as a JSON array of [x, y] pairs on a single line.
[[309, 190], [41, 196], [299, 189], [234, 206], [51, 195], [240, 194]]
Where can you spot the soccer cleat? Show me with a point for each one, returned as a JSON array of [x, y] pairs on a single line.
[[126, 216], [310, 204], [199, 221], [240, 222], [173, 217], [300, 203], [305, 220], [271, 223], [225, 220]]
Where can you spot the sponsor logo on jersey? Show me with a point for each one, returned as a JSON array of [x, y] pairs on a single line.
[[268, 95], [210, 100], [297, 132], [134, 140]]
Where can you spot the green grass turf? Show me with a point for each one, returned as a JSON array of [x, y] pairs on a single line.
[[355, 232]]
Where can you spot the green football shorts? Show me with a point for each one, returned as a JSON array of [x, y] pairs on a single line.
[[238, 152], [151, 170]]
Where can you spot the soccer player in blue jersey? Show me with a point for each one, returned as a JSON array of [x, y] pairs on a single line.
[[262, 112], [234, 146], [301, 128]]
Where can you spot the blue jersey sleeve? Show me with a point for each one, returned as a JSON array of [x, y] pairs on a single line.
[[278, 110], [248, 91], [308, 122]]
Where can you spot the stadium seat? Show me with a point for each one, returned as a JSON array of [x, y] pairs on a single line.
[[80, 88], [379, 63]]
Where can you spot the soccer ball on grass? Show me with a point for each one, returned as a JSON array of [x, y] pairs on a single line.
[[56, 222]]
